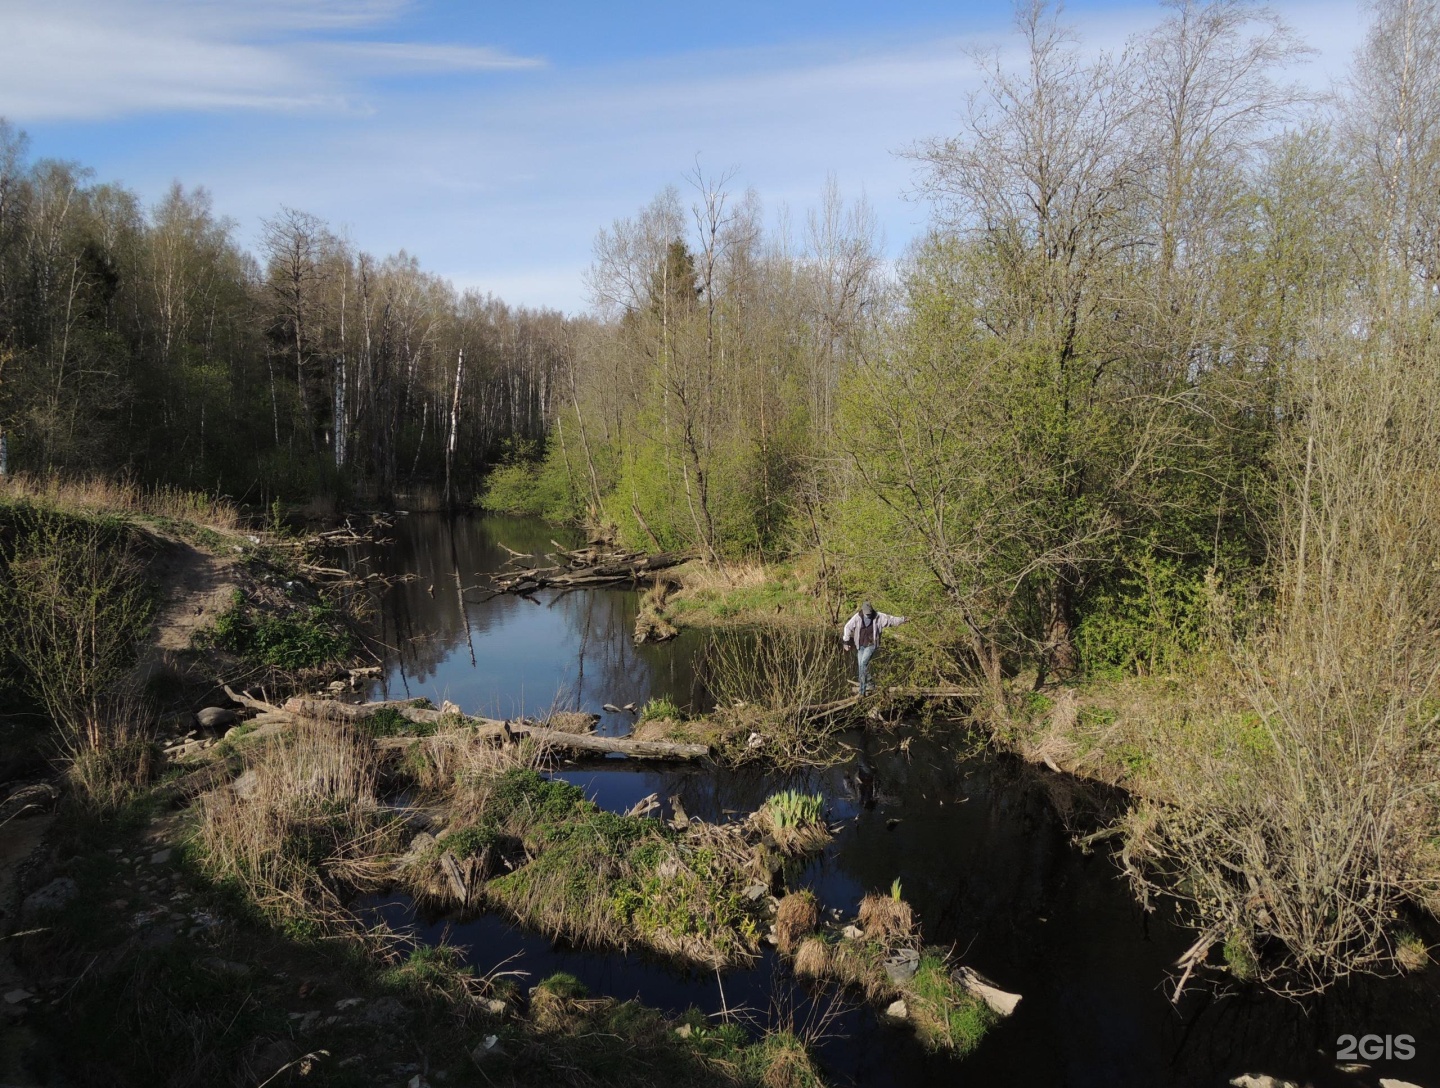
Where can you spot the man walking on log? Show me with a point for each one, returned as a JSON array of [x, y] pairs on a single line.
[[862, 631]]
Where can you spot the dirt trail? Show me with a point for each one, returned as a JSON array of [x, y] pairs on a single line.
[[196, 587]]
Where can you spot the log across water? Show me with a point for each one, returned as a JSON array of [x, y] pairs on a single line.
[[494, 728]]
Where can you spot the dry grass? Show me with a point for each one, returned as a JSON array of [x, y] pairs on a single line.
[[99, 495], [887, 918], [812, 959], [1300, 787], [571, 721], [861, 964], [309, 830], [723, 576], [795, 919]]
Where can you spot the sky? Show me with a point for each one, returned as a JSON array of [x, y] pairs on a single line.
[[493, 141]]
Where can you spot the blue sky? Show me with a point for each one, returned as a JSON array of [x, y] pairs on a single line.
[[491, 140]]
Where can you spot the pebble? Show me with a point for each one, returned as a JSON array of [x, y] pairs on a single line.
[[896, 1010], [160, 857], [348, 1003], [15, 997]]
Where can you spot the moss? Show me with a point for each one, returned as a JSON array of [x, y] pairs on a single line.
[[1240, 956], [563, 984]]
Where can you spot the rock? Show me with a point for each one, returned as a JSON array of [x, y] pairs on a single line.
[[16, 997], [494, 1006], [754, 892], [417, 1081], [755, 740], [387, 1012], [901, 965], [215, 717], [1262, 1080], [1391, 1082], [421, 843], [896, 1010], [52, 896], [852, 933], [247, 786], [488, 1047], [1002, 1002], [348, 1003], [160, 857], [610, 708], [447, 707]]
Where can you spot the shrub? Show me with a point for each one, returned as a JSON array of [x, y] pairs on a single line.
[[300, 638]]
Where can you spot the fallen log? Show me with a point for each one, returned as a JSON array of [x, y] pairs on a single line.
[[587, 569], [582, 743], [354, 712], [247, 701]]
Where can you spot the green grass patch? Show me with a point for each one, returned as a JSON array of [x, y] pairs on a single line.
[[946, 1017], [660, 709], [304, 637]]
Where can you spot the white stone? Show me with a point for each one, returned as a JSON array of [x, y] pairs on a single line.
[[896, 1010]]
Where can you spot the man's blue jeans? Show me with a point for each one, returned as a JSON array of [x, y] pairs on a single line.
[[863, 656]]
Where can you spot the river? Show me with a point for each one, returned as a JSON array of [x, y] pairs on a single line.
[[982, 844]]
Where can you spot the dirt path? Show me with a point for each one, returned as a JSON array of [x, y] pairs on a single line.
[[196, 587]]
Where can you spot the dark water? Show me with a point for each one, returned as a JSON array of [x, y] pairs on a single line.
[[982, 847], [444, 636]]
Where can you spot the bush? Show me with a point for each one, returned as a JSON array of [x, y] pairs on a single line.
[[301, 638], [529, 484]]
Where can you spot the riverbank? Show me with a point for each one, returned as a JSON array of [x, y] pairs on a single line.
[[1224, 758], [134, 957]]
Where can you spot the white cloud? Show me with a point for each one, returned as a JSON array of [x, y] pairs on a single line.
[[87, 59], [505, 189], [405, 57]]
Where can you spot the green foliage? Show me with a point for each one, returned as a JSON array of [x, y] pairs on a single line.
[[661, 708], [74, 608], [524, 795], [304, 637], [533, 483], [791, 809], [1151, 617], [429, 971], [563, 984], [471, 842], [388, 721]]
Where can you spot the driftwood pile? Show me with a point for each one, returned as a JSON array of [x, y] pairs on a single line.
[[599, 563]]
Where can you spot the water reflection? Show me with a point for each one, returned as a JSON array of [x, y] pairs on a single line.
[[443, 636]]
